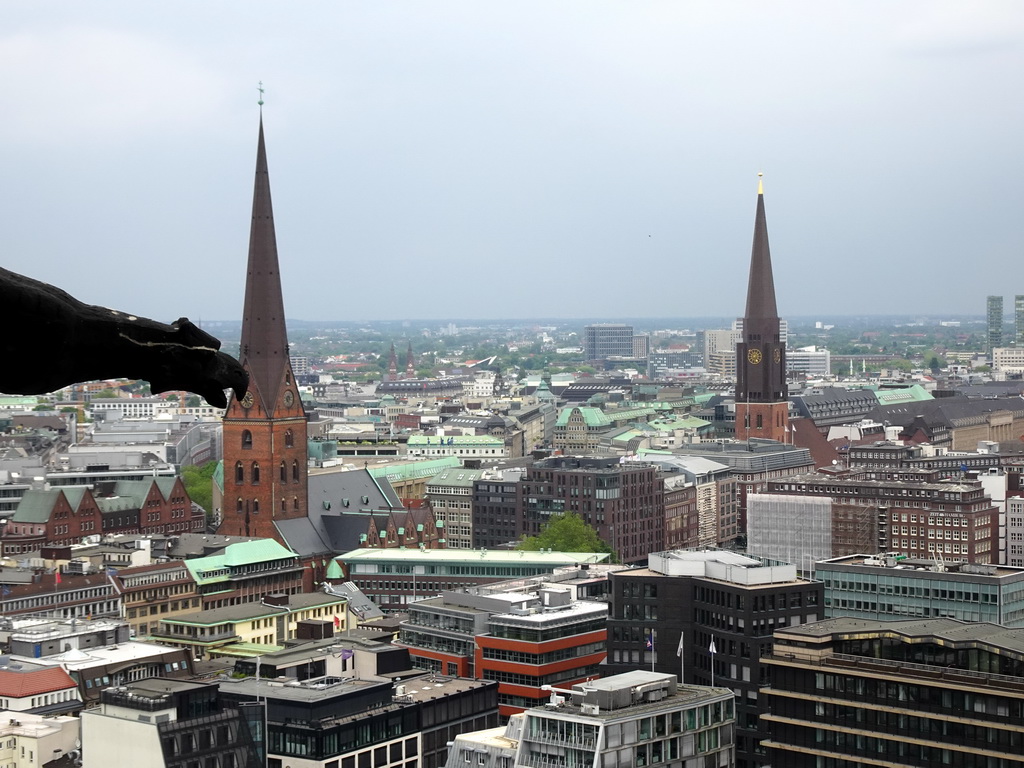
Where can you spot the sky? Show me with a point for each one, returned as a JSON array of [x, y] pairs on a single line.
[[444, 160]]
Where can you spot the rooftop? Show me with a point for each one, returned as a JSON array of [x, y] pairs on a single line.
[[491, 556]]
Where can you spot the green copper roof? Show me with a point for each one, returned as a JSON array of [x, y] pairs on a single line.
[[35, 506], [413, 469], [592, 417], [214, 568], [912, 394]]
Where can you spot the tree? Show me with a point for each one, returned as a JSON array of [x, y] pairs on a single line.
[[193, 401], [565, 532], [198, 481]]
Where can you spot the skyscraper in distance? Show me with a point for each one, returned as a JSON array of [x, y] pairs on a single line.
[[1018, 320], [264, 432], [762, 400], [994, 307]]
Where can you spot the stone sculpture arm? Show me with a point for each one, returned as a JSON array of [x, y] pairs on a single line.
[[52, 339]]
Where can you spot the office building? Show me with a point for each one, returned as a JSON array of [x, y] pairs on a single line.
[[523, 639], [638, 718], [172, 724], [604, 340], [994, 317], [395, 578], [623, 502], [708, 615], [914, 512], [924, 693], [384, 719], [1018, 320], [893, 586]]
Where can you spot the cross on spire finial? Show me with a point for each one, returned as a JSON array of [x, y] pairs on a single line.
[[260, 89]]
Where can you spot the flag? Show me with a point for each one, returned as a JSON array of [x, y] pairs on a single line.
[[711, 648], [337, 623], [56, 577], [650, 640], [679, 648], [347, 653]]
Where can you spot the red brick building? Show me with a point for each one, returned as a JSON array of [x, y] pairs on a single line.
[[64, 516]]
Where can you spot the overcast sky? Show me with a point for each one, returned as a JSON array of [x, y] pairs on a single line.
[[480, 159]]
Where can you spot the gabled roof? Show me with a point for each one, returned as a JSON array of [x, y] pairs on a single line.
[[19, 684]]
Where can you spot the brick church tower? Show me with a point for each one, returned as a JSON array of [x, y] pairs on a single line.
[[762, 400], [264, 432]]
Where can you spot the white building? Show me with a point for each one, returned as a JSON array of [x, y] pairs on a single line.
[[633, 719], [1008, 359], [809, 361], [793, 529], [1015, 531], [34, 741]]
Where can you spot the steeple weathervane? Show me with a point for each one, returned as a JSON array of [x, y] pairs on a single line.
[[260, 89]]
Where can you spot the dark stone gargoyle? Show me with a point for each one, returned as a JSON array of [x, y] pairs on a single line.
[[51, 339]]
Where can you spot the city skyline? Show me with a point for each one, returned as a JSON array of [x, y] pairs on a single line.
[[581, 157]]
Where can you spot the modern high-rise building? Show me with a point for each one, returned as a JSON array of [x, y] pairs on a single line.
[[934, 692], [708, 616], [1018, 320], [265, 431], [762, 402], [604, 340], [994, 307]]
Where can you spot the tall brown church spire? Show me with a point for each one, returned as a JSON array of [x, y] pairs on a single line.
[[264, 432], [264, 337], [762, 405]]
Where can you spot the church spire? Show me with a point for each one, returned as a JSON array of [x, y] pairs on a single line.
[[264, 338], [762, 408], [760, 285]]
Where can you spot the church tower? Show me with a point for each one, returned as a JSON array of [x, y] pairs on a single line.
[[762, 400], [410, 363], [264, 432]]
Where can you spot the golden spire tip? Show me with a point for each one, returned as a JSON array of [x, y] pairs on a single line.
[[760, 184]]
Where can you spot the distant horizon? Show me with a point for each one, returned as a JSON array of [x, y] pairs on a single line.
[[688, 320]]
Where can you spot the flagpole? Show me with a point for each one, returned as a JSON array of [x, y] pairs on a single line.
[[682, 658], [712, 650]]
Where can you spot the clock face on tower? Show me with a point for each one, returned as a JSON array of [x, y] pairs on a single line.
[[754, 356], [289, 398], [248, 400]]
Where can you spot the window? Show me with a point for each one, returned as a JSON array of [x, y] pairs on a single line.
[[295, 471], [289, 439], [255, 506], [238, 505], [284, 472], [239, 472], [246, 440], [255, 472]]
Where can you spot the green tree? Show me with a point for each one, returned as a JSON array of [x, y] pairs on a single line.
[[198, 481], [106, 393], [193, 401], [565, 532]]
